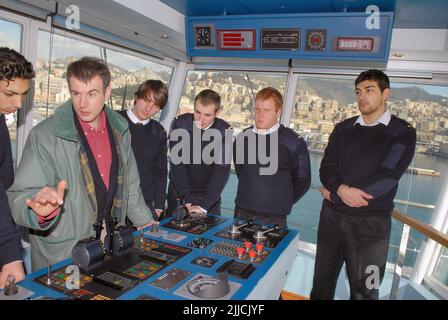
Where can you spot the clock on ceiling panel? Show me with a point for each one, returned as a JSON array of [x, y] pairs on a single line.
[[204, 36]]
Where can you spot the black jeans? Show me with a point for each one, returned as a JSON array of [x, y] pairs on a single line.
[[240, 213], [360, 242]]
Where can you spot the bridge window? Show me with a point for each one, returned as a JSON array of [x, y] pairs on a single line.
[[56, 51], [321, 103], [11, 37]]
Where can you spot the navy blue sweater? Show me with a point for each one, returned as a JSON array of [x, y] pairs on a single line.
[[9, 236], [274, 194], [369, 158], [200, 184], [149, 143], [6, 165]]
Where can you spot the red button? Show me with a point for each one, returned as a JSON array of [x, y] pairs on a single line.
[[252, 254], [240, 251]]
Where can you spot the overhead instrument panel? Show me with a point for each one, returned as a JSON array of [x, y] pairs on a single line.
[[349, 36]]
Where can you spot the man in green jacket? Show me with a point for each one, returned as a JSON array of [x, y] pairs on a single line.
[[77, 169]]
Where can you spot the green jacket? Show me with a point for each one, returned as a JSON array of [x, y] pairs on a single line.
[[51, 154]]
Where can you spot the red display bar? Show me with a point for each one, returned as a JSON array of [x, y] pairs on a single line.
[[236, 39]]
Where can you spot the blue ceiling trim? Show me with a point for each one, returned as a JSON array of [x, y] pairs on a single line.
[[429, 14]]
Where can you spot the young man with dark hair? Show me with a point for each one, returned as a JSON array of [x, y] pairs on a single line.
[[149, 142], [77, 169], [363, 162], [200, 184], [268, 198], [15, 82]]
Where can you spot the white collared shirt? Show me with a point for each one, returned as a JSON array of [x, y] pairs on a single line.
[[266, 131], [205, 127], [134, 118], [384, 119]]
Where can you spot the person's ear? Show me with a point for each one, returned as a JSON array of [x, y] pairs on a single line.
[[386, 94], [107, 93], [279, 113]]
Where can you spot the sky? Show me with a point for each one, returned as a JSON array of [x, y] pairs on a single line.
[[10, 33], [438, 90], [65, 46]]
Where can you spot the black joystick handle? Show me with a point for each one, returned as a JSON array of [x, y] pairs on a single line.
[[180, 213], [97, 227], [112, 223], [11, 289]]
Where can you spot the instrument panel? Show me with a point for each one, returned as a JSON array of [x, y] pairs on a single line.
[[214, 265]]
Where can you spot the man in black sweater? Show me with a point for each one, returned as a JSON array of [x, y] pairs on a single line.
[[15, 81], [266, 197], [197, 181], [363, 162], [149, 142]]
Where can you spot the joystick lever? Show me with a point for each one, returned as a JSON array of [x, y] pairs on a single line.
[[261, 234], [11, 288], [235, 229], [112, 224], [98, 228], [181, 212]]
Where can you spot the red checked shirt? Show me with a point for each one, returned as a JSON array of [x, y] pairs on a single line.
[[99, 143]]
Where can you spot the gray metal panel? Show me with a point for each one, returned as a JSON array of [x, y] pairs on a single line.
[[37, 8], [113, 22]]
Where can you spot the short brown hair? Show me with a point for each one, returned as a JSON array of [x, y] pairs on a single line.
[[270, 93], [207, 97], [381, 79], [158, 90], [86, 68]]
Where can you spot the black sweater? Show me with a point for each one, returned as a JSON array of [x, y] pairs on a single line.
[[369, 158], [149, 143], [201, 183], [6, 165], [273, 194], [10, 249]]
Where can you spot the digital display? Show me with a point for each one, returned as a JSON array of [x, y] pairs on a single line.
[[354, 44]]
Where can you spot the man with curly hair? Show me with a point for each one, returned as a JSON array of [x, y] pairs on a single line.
[[15, 82]]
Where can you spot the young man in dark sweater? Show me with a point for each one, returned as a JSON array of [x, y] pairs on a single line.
[[199, 182], [267, 197], [149, 142], [363, 162], [15, 81]]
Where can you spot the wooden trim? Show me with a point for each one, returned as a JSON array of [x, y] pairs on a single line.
[[423, 228], [286, 295]]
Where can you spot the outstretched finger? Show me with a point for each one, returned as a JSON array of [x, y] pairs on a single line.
[[60, 189]]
